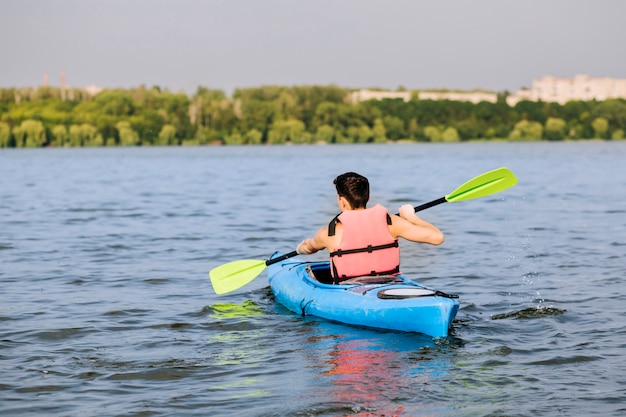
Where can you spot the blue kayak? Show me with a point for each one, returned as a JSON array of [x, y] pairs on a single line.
[[386, 302]]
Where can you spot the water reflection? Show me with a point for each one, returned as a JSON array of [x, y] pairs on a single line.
[[221, 311], [371, 373], [236, 342], [359, 369]]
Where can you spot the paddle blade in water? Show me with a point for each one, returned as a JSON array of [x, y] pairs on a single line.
[[233, 275], [483, 185]]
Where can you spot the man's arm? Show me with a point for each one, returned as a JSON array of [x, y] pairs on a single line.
[[313, 244], [410, 227]]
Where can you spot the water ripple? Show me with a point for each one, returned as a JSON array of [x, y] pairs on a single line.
[[529, 313]]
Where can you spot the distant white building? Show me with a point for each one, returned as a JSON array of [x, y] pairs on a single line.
[[93, 89], [561, 90], [364, 95], [471, 96]]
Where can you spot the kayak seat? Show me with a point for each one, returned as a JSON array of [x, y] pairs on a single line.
[[322, 274], [368, 279]]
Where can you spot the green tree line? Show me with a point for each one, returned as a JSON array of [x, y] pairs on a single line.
[[56, 117]]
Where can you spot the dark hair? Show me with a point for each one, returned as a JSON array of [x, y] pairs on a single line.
[[354, 187]]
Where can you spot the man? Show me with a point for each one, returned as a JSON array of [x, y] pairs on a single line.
[[364, 241]]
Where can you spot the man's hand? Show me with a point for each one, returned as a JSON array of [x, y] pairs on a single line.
[[305, 247], [407, 212]]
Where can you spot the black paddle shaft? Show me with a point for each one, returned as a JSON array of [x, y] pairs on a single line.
[[281, 258], [431, 204]]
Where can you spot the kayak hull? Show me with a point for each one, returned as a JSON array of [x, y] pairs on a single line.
[[397, 304]]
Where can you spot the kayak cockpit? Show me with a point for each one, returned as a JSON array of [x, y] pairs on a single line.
[[320, 272], [388, 287]]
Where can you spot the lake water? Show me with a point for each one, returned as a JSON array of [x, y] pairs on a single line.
[[106, 308]]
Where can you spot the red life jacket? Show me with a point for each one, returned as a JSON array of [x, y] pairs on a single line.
[[367, 247]]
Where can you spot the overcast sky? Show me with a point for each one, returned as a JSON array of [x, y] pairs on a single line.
[[225, 44]]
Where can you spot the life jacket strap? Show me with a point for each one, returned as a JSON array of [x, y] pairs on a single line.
[[333, 224], [369, 249], [338, 279]]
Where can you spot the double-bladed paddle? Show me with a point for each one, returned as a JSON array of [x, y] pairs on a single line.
[[233, 275]]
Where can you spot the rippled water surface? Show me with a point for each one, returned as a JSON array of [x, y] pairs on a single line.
[[106, 308]]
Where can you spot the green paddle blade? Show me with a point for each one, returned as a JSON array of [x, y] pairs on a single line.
[[483, 185], [233, 275]]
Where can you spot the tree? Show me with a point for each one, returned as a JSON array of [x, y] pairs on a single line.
[[432, 133], [84, 135], [235, 138], [394, 127], [326, 114], [378, 131], [532, 110], [60, 135], [325, 133], [90, 134], [176, 107], [202, 136], [297, 133], [35, 133], [128, 137], [572, 110], [257, 115], [30, 134], [614, 111], [286, 130], [75, 136], [450, 134], [254, 137], [361, 134], [469, 129], [555, 128], [115, 103], [148, 125], [600, 127], [413, 128], [167, 136], [5, 135], [527, 130]]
